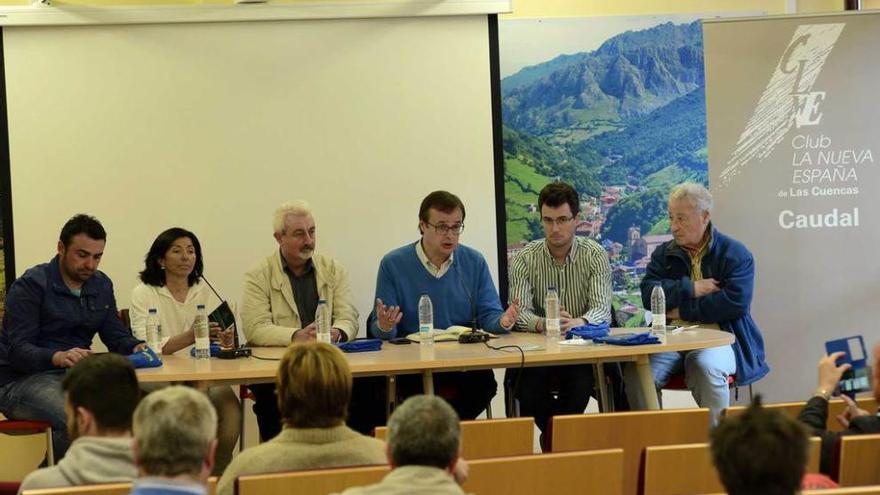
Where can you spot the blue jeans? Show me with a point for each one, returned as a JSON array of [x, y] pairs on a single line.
[[38, 397], [705, 371]]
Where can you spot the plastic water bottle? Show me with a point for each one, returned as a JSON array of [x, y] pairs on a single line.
[[551, 314], [426, 320], [200, 328], [154, 339], [140, 333], [658, 312], [322, 322]]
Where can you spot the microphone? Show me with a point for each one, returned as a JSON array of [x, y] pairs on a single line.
[[202, 276], [225, 310], [473, 337]]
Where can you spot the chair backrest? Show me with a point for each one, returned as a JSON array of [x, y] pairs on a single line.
[[491, 437], [315, 481], [125, 317], [568, 473], [664, 472], [19, 436], [560, 474], [792, 409], [108, 489], [630, 431], [859, 460], [861, 490]]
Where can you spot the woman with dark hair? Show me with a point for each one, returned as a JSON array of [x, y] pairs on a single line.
[[170, 283]]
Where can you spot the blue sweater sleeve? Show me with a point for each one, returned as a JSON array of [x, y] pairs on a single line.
[[489, 309], [387, 291], [22, 328]]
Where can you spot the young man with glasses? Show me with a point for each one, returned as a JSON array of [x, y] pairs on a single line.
[[579, 270], [458, 281]]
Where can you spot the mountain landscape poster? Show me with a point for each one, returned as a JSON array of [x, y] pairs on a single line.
[[614, 106]]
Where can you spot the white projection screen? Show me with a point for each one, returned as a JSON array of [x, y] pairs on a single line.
[[209, 126]]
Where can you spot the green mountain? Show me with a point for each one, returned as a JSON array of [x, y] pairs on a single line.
[[629, 76], [674, 134]]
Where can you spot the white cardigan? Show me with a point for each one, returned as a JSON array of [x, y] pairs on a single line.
[[175, 317]]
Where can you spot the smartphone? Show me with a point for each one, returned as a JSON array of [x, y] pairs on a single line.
[[858, 378], [400, 341]]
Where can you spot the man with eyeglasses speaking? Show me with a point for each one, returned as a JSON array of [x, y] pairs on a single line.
[[578, 268], [458, 281]]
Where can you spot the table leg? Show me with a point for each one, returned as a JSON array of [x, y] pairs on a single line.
[[602, 385], [646, 380], [391, 387], [428, 382]]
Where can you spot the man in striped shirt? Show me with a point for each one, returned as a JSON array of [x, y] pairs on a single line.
[[578, 268]]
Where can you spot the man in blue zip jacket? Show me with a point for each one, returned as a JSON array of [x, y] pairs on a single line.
[[52, 314], [708, 279]]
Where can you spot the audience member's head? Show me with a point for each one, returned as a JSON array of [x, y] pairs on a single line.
[[760, 452], [314, 386], [424, 431], [101, 392], [175, 431]]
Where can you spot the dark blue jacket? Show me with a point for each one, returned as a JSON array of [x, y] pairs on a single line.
[[43, 317], [731, 264]]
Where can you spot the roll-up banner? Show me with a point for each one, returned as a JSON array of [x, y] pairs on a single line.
[[793, 119]]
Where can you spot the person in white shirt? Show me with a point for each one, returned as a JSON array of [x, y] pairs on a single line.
[[171, 284]]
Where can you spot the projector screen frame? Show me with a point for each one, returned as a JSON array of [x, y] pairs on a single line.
[[6, 233]]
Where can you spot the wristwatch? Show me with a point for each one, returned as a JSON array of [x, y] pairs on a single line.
[[821, 392]]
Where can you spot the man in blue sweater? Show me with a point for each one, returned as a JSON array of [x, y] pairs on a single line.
[[458, 280], [52, 314], [708, 279]]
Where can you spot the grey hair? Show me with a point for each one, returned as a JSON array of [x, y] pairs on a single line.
[[698, 196], [424, 431], [295, 208], [174, 428]]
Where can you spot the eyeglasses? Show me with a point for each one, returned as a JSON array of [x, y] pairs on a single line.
[[559, 222], [444, 229]]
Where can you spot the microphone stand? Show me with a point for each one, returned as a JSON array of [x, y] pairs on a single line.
[[471, 337], [236, 351]]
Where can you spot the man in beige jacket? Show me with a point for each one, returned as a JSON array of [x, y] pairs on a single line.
[[281, 295]]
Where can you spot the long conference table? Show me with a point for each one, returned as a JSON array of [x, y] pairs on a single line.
[[395, 360]]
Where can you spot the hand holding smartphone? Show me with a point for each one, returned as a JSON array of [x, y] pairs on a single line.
[[858, 377]]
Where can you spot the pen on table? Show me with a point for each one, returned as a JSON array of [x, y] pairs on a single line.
[[678, 330]]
